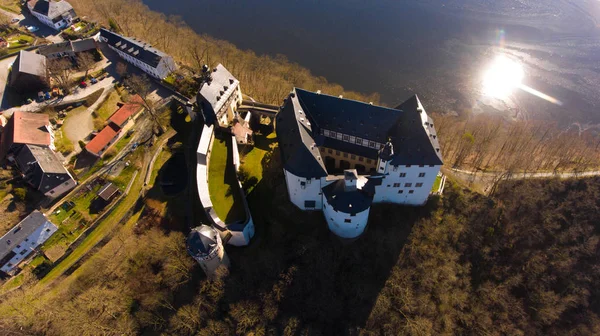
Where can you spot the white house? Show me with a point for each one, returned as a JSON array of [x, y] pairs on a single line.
[[341, 155], [219, 96], [23, 239], [54, 14], [205, 246], [141, 54]]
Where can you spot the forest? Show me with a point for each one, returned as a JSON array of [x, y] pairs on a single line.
[[521, 263]]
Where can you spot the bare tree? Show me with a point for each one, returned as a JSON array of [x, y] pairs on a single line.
[[85, 62], [121, 69], [60, 71], [141, 85]]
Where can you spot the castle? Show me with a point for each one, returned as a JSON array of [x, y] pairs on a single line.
[[340, 156]]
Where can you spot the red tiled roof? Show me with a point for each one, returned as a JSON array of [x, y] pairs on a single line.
[[31, 128], [122, 114], [102, 139]]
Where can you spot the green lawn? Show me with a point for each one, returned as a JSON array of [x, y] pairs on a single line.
[[252, 160], [163, 157], [124, 177], [109, 106], [62, 143], [222, 184], [436, 184]]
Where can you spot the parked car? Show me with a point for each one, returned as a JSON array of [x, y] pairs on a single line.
[[83, 84], [40, 96], [15, 20], [93, 80], [47, 95], [32, 29]]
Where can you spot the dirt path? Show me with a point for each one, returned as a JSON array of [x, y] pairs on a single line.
[[78, 125]]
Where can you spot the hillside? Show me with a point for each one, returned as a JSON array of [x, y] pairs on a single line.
[[522, 263]]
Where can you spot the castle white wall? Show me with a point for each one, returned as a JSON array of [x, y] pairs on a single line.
[[242, 238], [345, 225], [162, 70], [401, 185], [301, 190]]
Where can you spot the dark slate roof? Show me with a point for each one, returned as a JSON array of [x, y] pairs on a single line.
[[135, 48], [202, 240], [83, 45], [19, 232], [221, 81], [51, 9], [298, 148], [108, 191], [305, 114], [41, 167], [55, 48], [350, 202]]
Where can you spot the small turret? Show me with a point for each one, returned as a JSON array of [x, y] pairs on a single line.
[[205, 246], [350, 177], [385, 155]]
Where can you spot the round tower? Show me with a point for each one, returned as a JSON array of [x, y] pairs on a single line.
[[204, 244]]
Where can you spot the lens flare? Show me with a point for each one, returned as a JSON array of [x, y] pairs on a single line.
[[502, 78]]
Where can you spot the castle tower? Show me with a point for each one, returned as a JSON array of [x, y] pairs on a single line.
[[346, 206], [385, 155], [204, 244]]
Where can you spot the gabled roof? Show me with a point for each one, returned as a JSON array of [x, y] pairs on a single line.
[[83, 45], [31, 63], [30, 128], [123, 113], [55, 48], [108, 191], [19, 232], [135, 48], [52, 9], [102, 139], [306, 115], [43, 156], [221, 85]]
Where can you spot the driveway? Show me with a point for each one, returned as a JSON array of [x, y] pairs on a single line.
[[78, 125]]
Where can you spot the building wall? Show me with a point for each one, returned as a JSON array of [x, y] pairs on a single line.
[[27, 246], [353, 159], [401, 180], [154, 72], [214, 260], [301, 189], [62, 189], [344, 224]]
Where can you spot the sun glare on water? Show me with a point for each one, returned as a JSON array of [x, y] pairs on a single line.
[[502, 78]]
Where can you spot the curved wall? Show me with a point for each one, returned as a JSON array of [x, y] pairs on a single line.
[[343, 224]]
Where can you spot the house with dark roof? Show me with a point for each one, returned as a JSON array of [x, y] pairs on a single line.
[[219, 96], [141, 54], [54, 14], [25, 128], [42, 170], [340, 156], [23, 239], [67, 48], [29, 72]]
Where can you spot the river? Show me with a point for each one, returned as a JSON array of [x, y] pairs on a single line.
[[437, 49]]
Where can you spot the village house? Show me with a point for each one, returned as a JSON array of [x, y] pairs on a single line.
[[54, 14], [141, 54], [23, 239], [340, 156], [25, 128], [122, 119], [29, 73], [67, 48], [42, 170]]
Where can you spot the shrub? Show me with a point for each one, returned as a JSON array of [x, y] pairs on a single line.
[[81, 144], [20, 194], [113, 25]]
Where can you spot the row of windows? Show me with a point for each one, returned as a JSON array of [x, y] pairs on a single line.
[[404, 174], [407, 185], [352, 139], [395, 168], [346, 155], [402, 191]]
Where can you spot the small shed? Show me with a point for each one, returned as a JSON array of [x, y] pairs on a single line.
[[108, 191]]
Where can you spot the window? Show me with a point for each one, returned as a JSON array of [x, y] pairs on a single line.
[[310, 204], [347, 220], [408, 185], [411, 191], [330, 151], [431, 166], [400, 191], [395, 168], [407, 166], [23, 252], [371, 144], [421, 166], [18, 246], [322, 150], [345, 155], [353, 157], [361, 159], [421, 174], [332, 134], [337, 153], [358, 141], [402, 174], [346, 137], [51, 192], [369, 161], [396, 185], [419, 185], [47, 230]]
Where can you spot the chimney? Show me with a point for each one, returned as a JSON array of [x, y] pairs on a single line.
[[350, 177]]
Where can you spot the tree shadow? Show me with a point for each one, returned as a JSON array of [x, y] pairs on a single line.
[[326, 282]]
